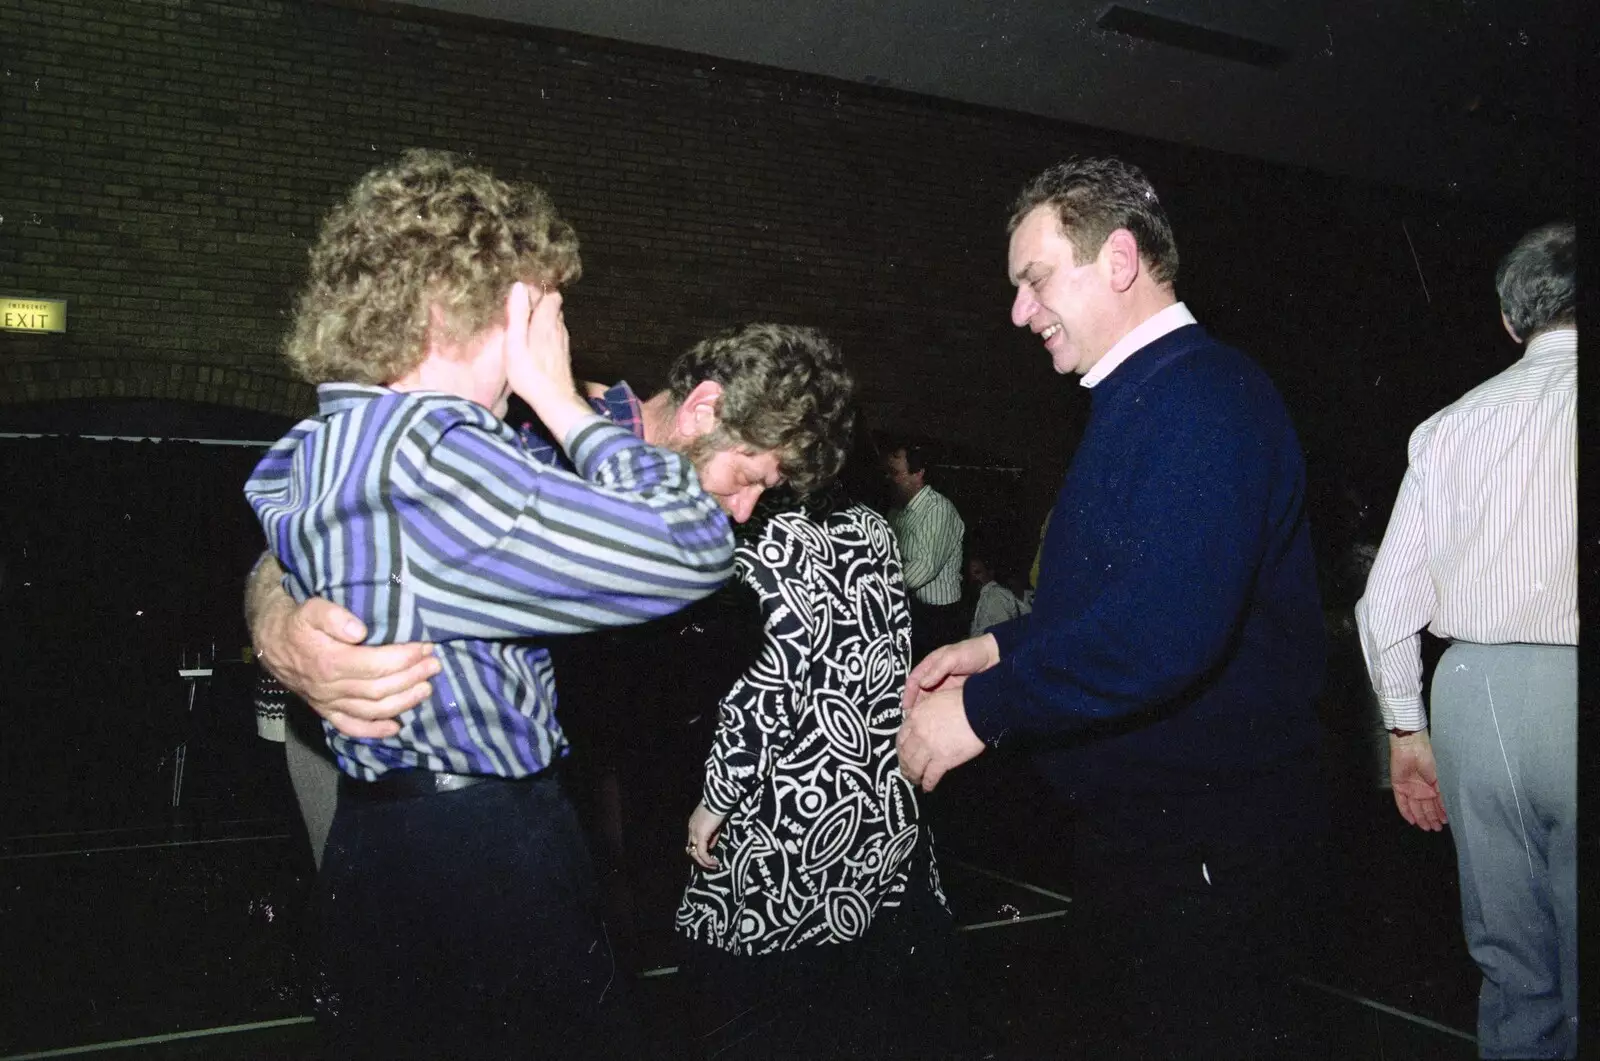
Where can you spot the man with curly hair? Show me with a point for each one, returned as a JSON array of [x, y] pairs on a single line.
[[457, 895]]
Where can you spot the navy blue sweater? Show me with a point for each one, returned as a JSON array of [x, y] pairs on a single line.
[[1175, 649]]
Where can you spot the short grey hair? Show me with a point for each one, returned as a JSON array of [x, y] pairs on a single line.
[[1538, 280], [1092, 198]]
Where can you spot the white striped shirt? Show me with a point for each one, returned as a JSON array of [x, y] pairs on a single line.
[[996, 604], [930, 532], [1482, 544]]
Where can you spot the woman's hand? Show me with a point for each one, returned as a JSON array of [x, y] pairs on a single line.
[[703, 828]]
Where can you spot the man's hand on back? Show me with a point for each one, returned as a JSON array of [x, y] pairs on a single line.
[[950, 667], [315, 650], [935, 737]]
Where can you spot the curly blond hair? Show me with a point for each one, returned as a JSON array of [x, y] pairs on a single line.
[[428, 230]]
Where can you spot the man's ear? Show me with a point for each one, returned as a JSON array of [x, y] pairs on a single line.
[[1509, 329], [697, 414], [1121, 256]]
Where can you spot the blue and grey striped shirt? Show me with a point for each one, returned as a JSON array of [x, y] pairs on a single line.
[[431, 520]]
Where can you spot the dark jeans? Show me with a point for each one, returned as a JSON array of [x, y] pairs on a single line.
[[1191, 945], [462, 925]]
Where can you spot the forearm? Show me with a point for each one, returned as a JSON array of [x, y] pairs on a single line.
[[265, 602], [1127, 650], [1136, 641], [1395, 671], [673, 520], [735, 763], [726, 781], [497, 545], [567, 418]]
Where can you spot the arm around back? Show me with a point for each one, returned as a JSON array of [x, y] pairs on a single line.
[[315, 650]]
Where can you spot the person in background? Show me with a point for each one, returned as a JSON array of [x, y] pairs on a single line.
[[931, 537], [996, 603], [1481, 549], [313, 772]]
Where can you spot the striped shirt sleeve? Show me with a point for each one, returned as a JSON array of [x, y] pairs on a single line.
[[1398, 602], [499, 546], [1482, 544]]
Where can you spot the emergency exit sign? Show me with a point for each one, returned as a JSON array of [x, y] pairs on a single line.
[[32, 314]]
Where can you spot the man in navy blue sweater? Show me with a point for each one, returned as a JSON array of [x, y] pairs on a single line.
[[1167, 675]]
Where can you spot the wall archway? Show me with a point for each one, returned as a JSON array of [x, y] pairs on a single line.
[[37, 381]]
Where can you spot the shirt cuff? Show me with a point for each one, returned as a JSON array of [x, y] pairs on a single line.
[[1403, 713], [989, 696]]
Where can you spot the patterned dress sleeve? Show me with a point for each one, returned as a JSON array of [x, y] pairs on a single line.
[[756, 718]]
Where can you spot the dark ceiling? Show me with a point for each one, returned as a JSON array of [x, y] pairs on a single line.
[[1471, 97]]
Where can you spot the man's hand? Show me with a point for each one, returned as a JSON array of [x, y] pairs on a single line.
[[315, 650], [935, 737], [703, 828], [1415, 780], [949, 667]]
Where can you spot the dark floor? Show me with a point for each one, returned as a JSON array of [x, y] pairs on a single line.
[[133, 928]]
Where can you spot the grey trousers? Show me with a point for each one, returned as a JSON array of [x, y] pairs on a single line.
[[1504, 733], [313, 774]]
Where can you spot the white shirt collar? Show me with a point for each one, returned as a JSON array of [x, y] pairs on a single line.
[[1152, 328], [1557, 342]]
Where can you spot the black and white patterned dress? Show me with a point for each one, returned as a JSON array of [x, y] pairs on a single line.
[[821, 824]]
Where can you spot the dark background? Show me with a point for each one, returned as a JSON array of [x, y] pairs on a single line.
[[166, 166], [163, 166]]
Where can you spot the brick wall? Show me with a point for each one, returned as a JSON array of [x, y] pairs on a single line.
[[165, 164]]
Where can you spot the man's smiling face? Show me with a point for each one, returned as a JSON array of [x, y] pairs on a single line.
[[1063, 302]]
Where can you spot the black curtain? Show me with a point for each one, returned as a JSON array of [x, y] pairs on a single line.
[[118, 561]]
